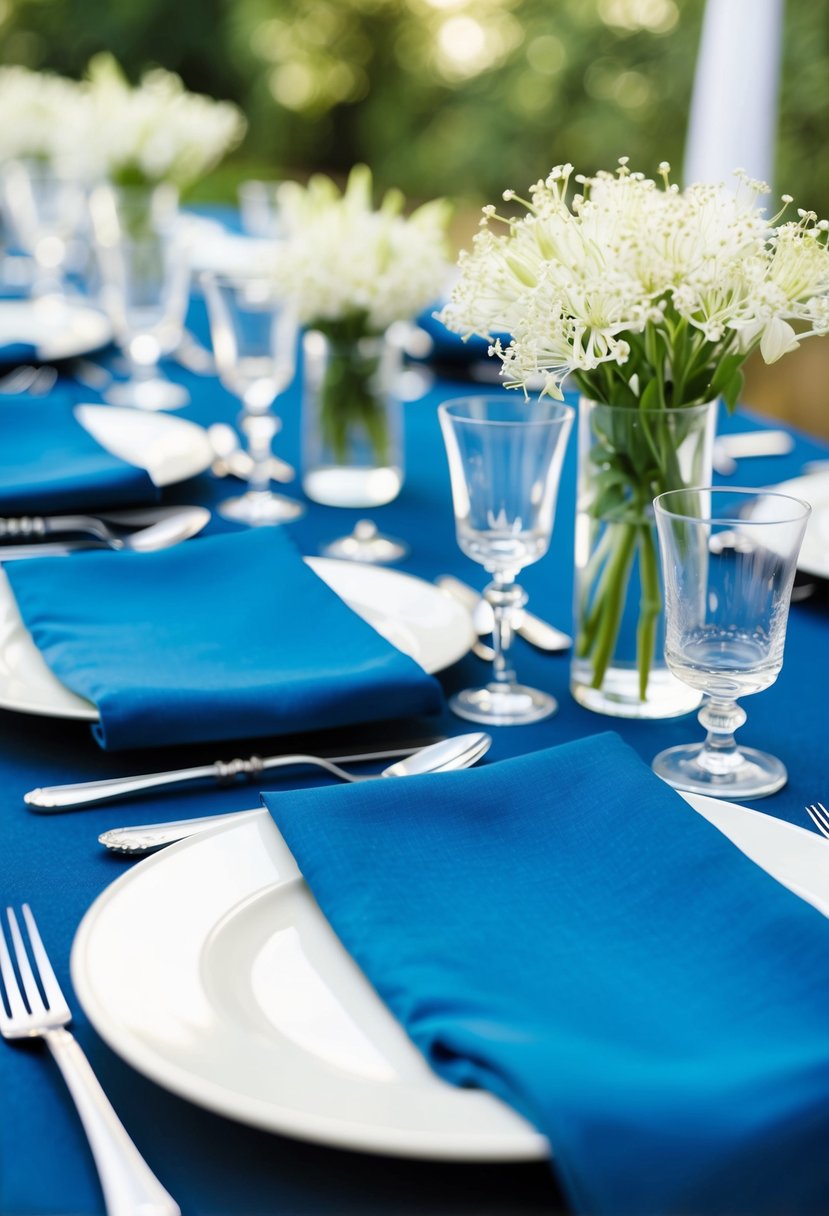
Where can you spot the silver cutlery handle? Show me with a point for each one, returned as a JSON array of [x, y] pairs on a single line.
[[23, 527], [129, 1185], [83, 793], [147, 837]]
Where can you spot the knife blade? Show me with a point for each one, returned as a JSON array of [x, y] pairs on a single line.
[[532, 628]]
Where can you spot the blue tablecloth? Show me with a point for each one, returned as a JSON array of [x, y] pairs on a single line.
[[216, 1167]]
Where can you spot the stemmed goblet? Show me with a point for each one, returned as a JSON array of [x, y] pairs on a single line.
[[254, 336], [729, 559], [505, 457], [145, 280], [45, 210]]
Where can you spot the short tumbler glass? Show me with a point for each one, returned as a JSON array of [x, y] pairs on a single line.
[[729, 560], [505, 456]]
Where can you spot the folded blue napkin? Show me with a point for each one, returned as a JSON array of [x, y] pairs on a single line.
[[563, 930], [227, 637], [49, 462], [17, 352]]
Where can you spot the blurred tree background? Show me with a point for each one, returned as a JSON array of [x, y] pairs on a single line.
[[455, 97], [458, 97]]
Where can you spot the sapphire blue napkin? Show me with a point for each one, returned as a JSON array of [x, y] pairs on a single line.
[[18, 352], [49, 462], [227, 637], [563, 930]]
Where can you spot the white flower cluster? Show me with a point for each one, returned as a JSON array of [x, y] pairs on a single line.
[[157, 131], [347, 261], [623, 269], [45, 117], [102, 127]]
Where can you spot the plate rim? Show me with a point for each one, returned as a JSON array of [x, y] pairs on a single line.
[[43, 353], [523, 1145]]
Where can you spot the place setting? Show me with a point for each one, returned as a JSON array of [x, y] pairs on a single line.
[[387, 824]]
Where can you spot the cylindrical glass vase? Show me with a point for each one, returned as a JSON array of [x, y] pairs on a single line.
[[626, 457], [352, 432]]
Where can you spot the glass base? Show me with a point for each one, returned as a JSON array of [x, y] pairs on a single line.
[[503, 705], [618, 697], [155, 394], [756, 774], [341, 486], [260, 508], [366, 544]]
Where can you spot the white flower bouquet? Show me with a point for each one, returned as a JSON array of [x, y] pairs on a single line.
[[158, 131], [353, 271], [44, 114], [648, 298]]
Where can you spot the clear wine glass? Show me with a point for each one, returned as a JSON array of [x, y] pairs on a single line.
[[144, 287], [505, 457], [254, 342], [729, 559], [259, 206], [45, 211]]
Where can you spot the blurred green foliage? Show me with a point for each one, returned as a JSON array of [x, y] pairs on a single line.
[[457, 97]]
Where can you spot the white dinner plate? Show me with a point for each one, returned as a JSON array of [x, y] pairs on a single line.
[[210, 968], [814, 489], [57, 329], [419, 619]]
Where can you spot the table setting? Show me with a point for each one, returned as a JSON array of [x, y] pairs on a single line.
[[355, 816]]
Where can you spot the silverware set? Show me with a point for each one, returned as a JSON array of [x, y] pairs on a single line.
[[143, 530]]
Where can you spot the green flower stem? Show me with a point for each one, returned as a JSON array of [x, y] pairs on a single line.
[[611, 599], [650, 606], [349, 404]]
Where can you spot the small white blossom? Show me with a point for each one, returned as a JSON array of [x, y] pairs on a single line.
[[343, 259]]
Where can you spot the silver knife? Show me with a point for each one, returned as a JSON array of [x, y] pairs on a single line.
[[535, 631], [89, 793]]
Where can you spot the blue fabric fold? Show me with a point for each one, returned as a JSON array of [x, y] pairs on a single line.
[[227, 637], [49, 462], [18, 352], [564, 930]]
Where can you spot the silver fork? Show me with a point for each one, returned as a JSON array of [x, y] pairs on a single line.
[[819, 817], [130, 1188]]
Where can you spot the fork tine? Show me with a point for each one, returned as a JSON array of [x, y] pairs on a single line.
[[33, 997], [819, 817], [13, 998], [54, 996]]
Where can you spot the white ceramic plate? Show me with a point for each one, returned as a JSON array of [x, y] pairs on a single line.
[[57, 329], [210, 968], [414, 616], [814, 489]]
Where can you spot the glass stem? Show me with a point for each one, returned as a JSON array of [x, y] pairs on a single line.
[[259, 430], [505, 598], [720, 718]]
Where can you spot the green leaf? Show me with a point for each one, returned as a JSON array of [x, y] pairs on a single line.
[[731, 392], [649, 399], [725, 373]]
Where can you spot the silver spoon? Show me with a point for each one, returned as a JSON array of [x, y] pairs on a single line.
[[163, 532], [460, 752]]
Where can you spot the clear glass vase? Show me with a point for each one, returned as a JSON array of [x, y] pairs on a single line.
[[626, 457], [352, 433]]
